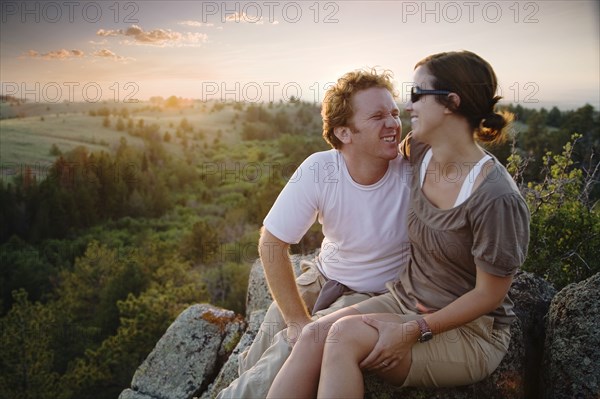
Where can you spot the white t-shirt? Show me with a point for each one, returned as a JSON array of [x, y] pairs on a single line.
[[365, 227]]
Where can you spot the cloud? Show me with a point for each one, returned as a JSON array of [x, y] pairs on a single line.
[[262, 22], [106, 53], [103, 42], [242, 17], [238, 17], [195, 24], [61, 54], [156, 37]]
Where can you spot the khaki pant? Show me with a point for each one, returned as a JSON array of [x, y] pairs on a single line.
[[260, 363], [309, 285], [461, 356]]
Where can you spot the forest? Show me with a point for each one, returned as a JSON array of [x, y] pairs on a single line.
[[141, 210]]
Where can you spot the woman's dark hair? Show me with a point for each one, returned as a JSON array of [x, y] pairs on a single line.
[[473, 79]]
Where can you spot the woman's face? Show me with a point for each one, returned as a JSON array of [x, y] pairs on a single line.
[[426, 114]]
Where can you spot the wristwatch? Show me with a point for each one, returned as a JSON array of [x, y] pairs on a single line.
[[426, 333]]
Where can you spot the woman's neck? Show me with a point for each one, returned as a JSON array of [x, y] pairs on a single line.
[[455, 144], [448, 152]]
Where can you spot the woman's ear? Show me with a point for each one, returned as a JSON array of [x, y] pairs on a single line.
[[454, 102], [343, 134]]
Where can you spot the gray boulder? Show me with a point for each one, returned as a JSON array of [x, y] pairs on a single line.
[[229, 371], [258, 296], [258, 300], [188, 356], [572, 357], [197, 350]]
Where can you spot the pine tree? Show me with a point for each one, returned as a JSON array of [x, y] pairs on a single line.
[[26, 355]]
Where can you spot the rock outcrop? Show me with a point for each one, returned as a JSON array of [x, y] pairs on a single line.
[[188, 356], [229, 372], [571, 367], [185, 362]]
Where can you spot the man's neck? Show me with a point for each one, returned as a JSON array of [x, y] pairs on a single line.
[[365, 171]]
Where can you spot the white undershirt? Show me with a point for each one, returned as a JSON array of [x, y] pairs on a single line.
[[467, 186]]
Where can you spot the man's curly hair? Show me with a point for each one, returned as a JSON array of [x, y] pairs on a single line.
[[337, 104]]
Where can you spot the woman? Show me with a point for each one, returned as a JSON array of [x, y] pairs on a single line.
[[446, 321]]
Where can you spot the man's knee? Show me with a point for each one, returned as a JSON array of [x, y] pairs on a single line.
[[255, 382], [271, 325]]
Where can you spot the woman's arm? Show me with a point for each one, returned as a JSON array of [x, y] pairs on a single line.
[[396, 339], [488, 294]]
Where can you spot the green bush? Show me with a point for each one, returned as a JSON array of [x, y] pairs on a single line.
[[565, 223]]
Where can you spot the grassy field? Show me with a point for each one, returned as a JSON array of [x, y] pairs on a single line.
[[28, 131], [224, 123], [25, 109], [29, 140]]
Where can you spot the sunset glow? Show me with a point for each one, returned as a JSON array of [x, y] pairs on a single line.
[[545, 53]]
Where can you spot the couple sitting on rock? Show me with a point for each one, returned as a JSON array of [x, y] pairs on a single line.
[[419, 249]]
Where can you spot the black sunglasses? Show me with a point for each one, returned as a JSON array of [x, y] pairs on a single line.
[[416, 93]]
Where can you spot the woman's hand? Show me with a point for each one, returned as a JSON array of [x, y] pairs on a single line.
[[395, 341]]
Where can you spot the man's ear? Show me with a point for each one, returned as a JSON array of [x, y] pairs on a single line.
[[454, 102], [343, 133]]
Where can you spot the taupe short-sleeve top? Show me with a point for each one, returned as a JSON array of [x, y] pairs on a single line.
[[489, 230]]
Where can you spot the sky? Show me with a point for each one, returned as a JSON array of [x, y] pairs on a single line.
[[545, 53]]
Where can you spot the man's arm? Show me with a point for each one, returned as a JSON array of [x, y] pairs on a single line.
[[282, 281]]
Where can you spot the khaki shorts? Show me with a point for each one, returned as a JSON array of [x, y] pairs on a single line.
[[460, 356]]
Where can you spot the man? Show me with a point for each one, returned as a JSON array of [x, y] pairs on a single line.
[[359, 192]]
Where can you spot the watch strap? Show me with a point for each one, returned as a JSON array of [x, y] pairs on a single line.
[[426, 333]]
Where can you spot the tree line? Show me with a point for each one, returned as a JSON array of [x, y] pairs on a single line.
[[104, 252]]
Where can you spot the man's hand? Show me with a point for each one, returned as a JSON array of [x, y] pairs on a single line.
[[294, 330]]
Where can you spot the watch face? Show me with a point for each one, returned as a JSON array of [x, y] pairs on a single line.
[[426, 336]]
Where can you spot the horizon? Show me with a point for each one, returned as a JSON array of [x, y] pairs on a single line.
[[158, 100], [545, 53]]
